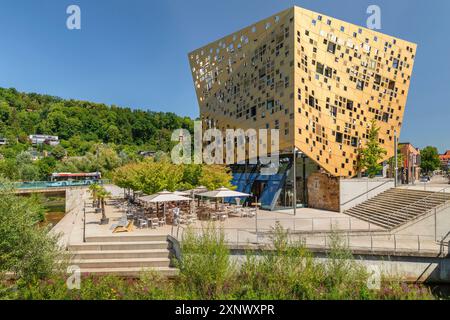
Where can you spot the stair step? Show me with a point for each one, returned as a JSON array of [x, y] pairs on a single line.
[[395, 207], [375, 219], [104, 246], [130, 272], [121, 254], [122, 263], [127, 238]]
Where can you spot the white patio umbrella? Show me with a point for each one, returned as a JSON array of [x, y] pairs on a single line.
[[164, 196], [223, 193], [181, 193]]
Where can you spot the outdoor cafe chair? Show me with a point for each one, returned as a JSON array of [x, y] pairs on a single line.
[[143, 223], [154, 222]]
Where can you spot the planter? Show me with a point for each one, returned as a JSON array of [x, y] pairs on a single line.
[[98, 210], [104, 221]]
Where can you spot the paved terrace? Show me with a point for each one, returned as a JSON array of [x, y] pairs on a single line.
[[310, 226]]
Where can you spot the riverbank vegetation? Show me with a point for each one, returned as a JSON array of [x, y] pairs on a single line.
[[207, 271], [26, 248]]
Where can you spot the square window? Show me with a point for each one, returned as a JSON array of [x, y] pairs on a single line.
[[331, 47], [360, 85], [395, 63], [319, 68]]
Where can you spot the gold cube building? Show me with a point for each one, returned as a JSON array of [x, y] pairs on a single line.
[[318, 79]]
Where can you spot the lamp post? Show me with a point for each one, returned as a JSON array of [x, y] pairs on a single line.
[[395, 159], [98, 152], [294, 156]]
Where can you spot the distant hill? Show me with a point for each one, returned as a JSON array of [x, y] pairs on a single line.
[[80, 122]]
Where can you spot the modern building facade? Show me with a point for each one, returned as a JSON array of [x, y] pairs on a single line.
[[317, 79], [410, 171], [445, 160], [37, 139]]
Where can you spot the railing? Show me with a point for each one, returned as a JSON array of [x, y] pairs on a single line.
[[317, 225], [445, 242], [366, 192], [244, 238], [34, 185], [403, 211], [84, 222]]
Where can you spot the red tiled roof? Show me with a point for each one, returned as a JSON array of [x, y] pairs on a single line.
[[445, 156]]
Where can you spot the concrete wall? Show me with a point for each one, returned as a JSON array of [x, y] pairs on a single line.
[[323, 192], [356, 191], [425, 226]]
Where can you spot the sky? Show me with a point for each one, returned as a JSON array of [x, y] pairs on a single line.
[[133, 53]]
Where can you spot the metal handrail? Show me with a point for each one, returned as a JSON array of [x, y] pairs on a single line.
[[393, 240], [365, 193], [419, 202], [84, 222]]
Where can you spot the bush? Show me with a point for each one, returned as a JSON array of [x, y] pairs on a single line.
[[205, 268], [288, 271], [26, 249]]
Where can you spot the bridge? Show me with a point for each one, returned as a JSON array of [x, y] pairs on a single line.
[[52, 186]]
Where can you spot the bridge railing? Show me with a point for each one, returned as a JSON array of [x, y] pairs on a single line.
[[34, 185], [390, 243]]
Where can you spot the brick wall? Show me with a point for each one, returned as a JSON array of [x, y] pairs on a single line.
[[323, 192]]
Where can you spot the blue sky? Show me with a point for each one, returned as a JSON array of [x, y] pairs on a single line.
[[134, 53]]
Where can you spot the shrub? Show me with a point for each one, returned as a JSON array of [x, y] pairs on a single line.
[[26, 249], [205, 268]]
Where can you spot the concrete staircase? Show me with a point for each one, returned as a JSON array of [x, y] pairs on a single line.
[[396, 207], [123, 255]]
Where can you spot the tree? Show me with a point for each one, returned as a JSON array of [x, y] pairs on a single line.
[[400, 161], [102, 195], [429, 159], [94, 190], [154, 176], [58, 152], [373, 153], [216, 176], [26, 248]]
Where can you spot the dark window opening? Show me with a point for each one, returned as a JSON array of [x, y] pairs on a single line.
[[311, 101], [319, 68], [349, 105], [377, 79], [331, 47], [328, 72]]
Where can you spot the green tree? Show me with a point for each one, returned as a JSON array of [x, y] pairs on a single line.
[[216, 176], [58, 152], [372, 153], [26, 249], [429, 157], [102, 195]]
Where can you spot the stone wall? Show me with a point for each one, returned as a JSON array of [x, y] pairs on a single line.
[[323, 192]]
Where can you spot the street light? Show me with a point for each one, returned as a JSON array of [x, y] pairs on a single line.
[[294, 155], [395, 159]]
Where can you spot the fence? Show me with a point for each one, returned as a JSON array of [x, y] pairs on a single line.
[[34, 185], [392, 243], [315, 224]]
